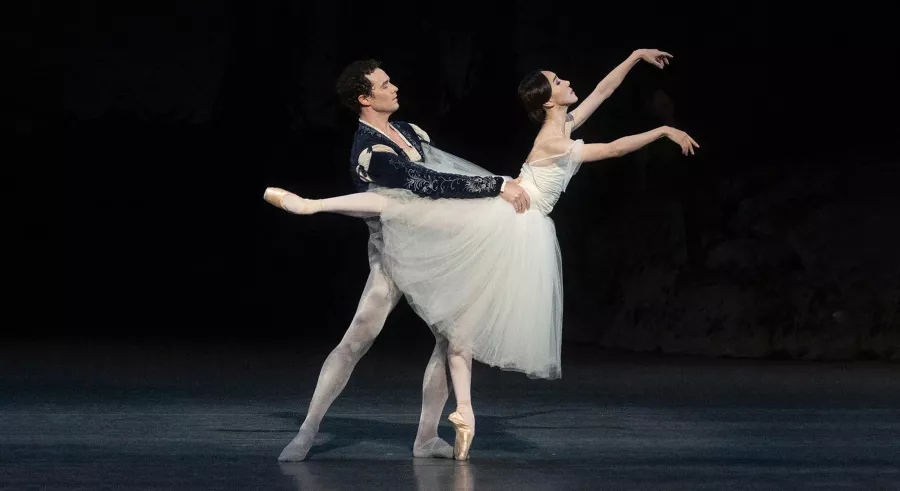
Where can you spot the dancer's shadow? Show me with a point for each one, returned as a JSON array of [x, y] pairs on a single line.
[[493, 432]]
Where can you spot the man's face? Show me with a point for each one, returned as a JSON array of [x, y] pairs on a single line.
[[384, 93]]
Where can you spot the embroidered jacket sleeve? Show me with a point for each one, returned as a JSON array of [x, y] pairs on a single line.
[[381, 165]]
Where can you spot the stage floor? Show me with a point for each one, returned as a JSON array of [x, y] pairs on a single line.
[[92, 417]]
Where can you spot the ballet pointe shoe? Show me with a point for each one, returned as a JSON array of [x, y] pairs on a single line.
[[275, 196], [279, 197], [464, 435]]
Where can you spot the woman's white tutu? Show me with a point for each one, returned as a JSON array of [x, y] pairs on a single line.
[[487, 278], [484, 276]]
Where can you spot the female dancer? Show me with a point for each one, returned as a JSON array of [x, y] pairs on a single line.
[[483, 276]]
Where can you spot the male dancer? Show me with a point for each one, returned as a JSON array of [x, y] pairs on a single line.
[[386, 153]]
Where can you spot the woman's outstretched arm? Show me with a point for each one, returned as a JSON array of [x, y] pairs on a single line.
[[593, 152], [612, 81]]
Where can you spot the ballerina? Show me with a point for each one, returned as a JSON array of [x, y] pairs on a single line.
[[486, 278]]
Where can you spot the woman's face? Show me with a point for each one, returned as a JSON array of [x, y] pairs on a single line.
[[562, 94]]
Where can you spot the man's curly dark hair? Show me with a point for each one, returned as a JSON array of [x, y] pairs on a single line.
[[353, 83]]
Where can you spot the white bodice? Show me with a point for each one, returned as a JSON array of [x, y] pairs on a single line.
[[545, 179], [543, 184]]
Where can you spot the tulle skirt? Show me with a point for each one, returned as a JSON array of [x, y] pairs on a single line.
[[484, 276]]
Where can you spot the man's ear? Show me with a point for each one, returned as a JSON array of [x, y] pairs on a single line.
[[364, 101]]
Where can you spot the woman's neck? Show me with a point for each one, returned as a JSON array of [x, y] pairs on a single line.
[[555, 123]]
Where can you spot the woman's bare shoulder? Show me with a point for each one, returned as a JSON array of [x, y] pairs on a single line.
[[550, 147]]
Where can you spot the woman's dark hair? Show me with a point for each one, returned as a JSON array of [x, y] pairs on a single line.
[[353, 83], [534, 91]]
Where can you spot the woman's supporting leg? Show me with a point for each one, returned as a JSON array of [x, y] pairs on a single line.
[[463, 419], [460, 362]]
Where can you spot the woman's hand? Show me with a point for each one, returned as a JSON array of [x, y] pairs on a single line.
[[683, 140], [655, 57]]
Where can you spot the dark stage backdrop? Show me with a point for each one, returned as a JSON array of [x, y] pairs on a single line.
[[177, 115]]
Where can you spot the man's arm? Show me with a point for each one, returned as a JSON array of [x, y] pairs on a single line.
[[379, 164], [612, 81]]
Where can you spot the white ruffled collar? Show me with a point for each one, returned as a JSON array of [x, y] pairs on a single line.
[[385, 135]]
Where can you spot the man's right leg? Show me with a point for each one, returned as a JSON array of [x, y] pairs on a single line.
[[434, 397], [379, 298]]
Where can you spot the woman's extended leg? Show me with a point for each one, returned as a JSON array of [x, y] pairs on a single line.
[[355, 205]]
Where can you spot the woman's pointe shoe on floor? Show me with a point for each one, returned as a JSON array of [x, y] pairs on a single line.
[[464, 436], [289, 201]]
